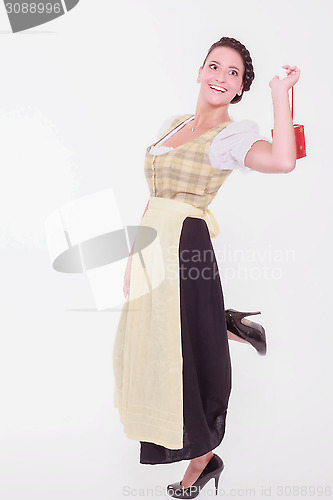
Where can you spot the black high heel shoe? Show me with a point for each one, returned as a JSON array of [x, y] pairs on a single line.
[[246, 329], [213, 469]]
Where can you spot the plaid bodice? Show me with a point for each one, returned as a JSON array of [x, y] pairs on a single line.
[[185, 173]]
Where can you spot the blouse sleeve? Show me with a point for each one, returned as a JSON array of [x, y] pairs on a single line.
[[229, 147]]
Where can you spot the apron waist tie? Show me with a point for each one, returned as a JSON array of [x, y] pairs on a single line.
[[177, 206], [211, 222]]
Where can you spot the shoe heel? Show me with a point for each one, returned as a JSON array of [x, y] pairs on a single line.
[[240, 314], [217, 477]]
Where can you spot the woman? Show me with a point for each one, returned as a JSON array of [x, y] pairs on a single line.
[[171, 355]]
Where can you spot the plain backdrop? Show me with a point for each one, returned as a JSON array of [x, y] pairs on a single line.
[[81, 99]]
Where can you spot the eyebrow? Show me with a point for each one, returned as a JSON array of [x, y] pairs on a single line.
[[229, 66]]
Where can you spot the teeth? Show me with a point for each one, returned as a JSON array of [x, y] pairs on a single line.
[[217, 88]]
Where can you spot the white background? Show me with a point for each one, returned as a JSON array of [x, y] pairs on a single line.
[[81, 99]]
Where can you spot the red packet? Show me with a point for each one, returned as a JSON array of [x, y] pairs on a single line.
[[299, 133]]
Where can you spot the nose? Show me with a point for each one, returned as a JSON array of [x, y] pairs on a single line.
[[221, 76]]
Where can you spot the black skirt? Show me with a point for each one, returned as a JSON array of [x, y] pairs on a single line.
[[205, 350]]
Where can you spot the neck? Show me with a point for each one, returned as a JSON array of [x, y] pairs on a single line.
[[205, 115]]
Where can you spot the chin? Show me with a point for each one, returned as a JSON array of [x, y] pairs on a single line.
[[215, 102]]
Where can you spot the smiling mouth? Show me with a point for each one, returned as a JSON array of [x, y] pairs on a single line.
[[215, 88]]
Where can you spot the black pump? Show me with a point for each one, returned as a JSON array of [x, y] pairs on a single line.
[[213, 469], [248, 330]]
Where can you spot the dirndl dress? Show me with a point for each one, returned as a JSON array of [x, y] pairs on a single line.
[[171, 355]]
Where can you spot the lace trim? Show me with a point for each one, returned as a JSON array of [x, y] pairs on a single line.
[[157, 150]]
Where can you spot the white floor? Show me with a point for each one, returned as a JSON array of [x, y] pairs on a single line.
[[61, 437]]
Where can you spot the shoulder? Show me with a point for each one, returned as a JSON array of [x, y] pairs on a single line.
[[237, 132], [171, 123], [229, 147], [240, 127]]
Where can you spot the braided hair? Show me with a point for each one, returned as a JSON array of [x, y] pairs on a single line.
[[249, 75]]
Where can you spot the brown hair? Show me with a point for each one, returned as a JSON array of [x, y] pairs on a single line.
[[249, 75]]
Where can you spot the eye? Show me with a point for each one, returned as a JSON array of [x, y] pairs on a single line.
[[215, 66]]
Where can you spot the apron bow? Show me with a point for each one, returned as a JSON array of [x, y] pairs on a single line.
[[211, 222]]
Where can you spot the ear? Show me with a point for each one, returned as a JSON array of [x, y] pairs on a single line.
[[199, 74]]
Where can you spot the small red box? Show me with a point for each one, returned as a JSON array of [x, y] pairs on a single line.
[[300, 141]]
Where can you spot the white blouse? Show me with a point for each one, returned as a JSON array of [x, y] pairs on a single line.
[[227, 150]]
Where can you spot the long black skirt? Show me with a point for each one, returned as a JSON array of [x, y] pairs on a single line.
[[205, 350]]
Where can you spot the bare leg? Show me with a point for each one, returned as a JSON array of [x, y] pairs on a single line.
[[232, 336], [195, 468]]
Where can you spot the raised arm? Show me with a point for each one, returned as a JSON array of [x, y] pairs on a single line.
[[280, 155]]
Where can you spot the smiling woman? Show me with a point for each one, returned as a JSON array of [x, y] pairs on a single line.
[[171, 355]]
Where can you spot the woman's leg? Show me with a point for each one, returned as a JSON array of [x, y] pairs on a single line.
[[195, 468]]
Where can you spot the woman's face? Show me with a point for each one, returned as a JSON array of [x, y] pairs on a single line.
[[224, 67]]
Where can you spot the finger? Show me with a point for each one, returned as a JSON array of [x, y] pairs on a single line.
[[292, 71], [286, 66]]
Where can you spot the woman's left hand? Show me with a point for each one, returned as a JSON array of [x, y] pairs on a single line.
[[286, 83]]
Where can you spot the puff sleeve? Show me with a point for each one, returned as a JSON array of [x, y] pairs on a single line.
[[229, 147]]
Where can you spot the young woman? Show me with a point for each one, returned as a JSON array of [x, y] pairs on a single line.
[[171, 355]]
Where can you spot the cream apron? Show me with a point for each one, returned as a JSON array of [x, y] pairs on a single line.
[[147, 355]]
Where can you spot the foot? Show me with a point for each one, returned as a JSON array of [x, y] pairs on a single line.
[[232, 336], [194, 469]]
